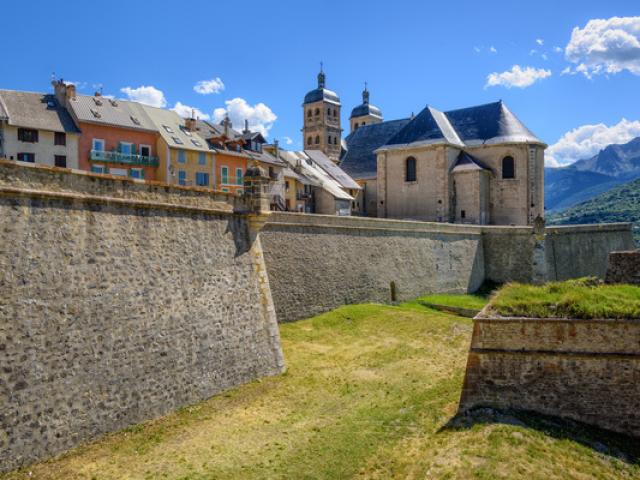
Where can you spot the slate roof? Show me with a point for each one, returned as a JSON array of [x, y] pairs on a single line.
[[35, 110], [333, 170], [109, 111], [359, 161], [162, 118], [466, 162], [366, 109], [429, 126], [321, 94], [488, 124]]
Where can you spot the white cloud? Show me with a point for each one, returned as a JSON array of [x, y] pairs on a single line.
[[185, 111], [517, 77], [260, 116], [606, 46], [493, 49], [288, 140], [533, 51], [540, 41], [148, 95], [558, 49], [587, 140], [544, 56], [567, 71], [206, 87], [476, 49]]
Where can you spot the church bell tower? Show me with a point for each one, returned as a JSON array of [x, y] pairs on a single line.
[[321, 112]]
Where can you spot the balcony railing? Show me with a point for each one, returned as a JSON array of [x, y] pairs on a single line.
[[123, 158]]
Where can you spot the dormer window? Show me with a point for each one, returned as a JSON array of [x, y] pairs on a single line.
[[167, 128], [95, 113], [196, 143], [178, 140], [113, 102], [97, 101]]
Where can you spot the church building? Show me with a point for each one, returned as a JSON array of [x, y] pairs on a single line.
[[477, 165]]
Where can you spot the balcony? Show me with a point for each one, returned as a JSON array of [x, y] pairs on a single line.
[[122, 158]]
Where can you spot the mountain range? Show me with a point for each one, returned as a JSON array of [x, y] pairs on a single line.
[[585, 179]]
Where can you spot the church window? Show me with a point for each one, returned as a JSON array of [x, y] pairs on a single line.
[[309, 113], [309, 141], [317, 111], [335, 140], [508, 167], [317, 140], [335, 112], [328, 112], [410, 170]]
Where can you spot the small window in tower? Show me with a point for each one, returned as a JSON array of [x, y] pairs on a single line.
[[335, 140], [508, 167], [309, 113], [335, 112], [309, 141], [317, 112], [328, 112], [317, 140]]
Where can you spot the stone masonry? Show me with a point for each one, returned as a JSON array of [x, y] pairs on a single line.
[[624, 267], [120, 302], [585, 370]]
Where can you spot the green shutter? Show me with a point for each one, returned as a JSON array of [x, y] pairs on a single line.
[[133, 149]]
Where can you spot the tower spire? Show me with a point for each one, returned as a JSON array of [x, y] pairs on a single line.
[[365, 94], [321, 77]]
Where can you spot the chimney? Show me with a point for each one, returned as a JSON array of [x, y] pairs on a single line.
[[97, 94], [246, 126], [190, 123], [63, 91], [227, 124], [277, 149]]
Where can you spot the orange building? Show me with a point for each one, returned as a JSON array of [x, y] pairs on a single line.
[[230, 159], [117, 136]]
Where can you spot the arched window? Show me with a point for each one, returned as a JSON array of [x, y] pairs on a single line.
[[317, 111], [335, 140], [309, 113], [309, 141], [410, 169], [328, 112], [335, 112], [508, 167], [317, 140]]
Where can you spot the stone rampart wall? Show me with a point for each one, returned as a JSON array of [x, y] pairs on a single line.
[[583, 250], [585, 370], [317, 263], [120, 301]]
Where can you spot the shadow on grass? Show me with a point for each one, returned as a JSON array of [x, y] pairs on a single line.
[[606, 442]]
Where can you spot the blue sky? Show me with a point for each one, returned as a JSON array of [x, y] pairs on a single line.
[[411, 53]]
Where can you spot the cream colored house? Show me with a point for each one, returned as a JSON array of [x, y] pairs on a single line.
[[474, 165], [184, 156], [35, 128]]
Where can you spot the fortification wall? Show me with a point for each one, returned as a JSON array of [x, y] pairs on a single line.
[[120, 301], [586, 370], [574, 251], [508, 253], [317, 263]]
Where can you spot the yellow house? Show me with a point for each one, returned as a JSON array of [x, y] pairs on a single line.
[[184, 156]]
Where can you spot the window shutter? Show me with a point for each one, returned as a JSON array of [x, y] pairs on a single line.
[[133, 149]]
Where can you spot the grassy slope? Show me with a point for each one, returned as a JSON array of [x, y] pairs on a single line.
[[580, 298], [620, 204], [368, 393]]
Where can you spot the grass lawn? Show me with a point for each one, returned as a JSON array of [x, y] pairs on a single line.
[[471, 302], [370, 392], [582, 298]]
